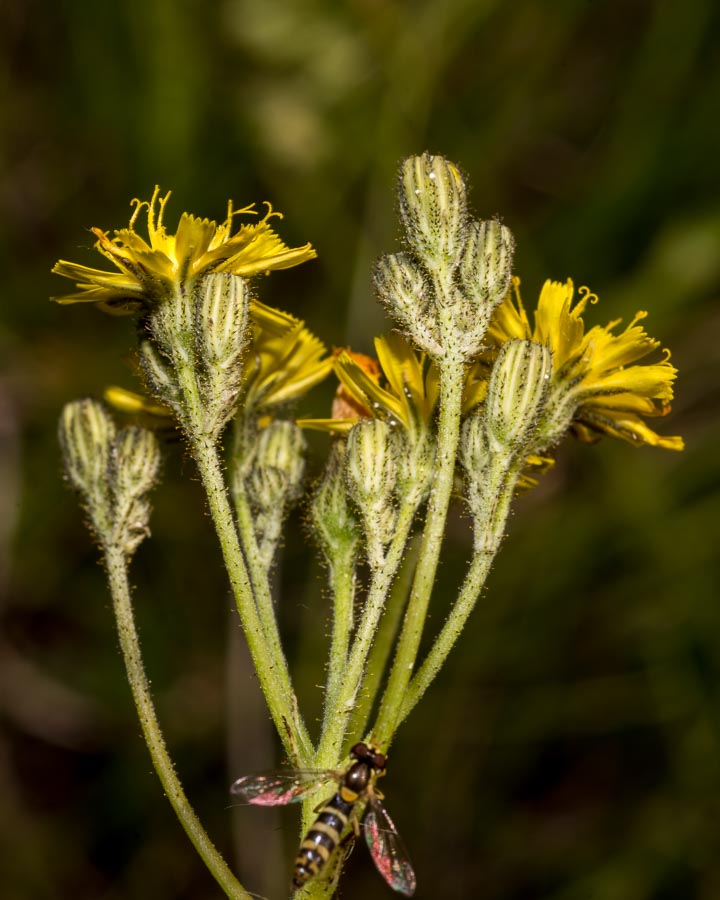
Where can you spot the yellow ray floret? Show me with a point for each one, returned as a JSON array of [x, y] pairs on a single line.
[[597, 368], [151, 267], [402, 386], [284, 361]]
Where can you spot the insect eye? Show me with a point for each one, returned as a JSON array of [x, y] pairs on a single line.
[[360, 751], [379, 761]]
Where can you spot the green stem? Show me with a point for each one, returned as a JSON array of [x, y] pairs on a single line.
[[267, 655], [451, 386], [338, 714], [342, 581], [491, 505], [382, 645], [118, 578], [263, 596]]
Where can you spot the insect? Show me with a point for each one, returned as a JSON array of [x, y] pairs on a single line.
[[355, 784]]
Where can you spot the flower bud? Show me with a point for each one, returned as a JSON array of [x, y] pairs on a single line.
[[433, 208], [332, 515], [371, 461], [517, 392], [279, 464], [133, 473], [222, 336], [474, 450], [159, 375], [404, 291], [221, 312], [486, 265], [275, 480], [113, 471], [86, 434], [371, 466], [135, 462]]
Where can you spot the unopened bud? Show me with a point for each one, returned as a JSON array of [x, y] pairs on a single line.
[[333, 517], [222, 312], [135, 462], [405, 292], [133, 473], [517, 392], [274, 481], [222, 336], [159, 375], [486, 266], [113, 471], [86, 434], [371, 466], [371, 461], [474, 448], [278, 464], [433, 208]]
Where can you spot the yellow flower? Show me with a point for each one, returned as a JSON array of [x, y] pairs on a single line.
[[596, 379], [408, 393], [284, 360], [150, 269]]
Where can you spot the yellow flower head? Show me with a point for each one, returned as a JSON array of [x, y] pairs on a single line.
[[595, 371], [283, 361], [150, 268], [401, 386]]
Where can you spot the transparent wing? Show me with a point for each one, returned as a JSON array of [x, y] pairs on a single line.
[[387, 850], [280, 787]]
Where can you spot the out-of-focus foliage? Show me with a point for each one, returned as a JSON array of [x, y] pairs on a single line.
[[572, 747]]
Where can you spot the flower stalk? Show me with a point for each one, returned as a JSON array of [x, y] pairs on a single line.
[[116, 565]]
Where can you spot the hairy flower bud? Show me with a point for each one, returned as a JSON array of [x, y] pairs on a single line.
[[86, 434], [274, 481], [133, 473], [279, 452], [371, 465], [332, 514], [517, 392], [135, 462], [113, 471], [433, 208], [222, 336], [159, 375], [474, 450], [486, 265], [405, 292]]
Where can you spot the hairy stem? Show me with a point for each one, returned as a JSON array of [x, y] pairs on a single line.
[[383, 643], [130, 645], [342, 581], [258, 570], [491, 505], [451, 386], [266, 653], [330, 747]]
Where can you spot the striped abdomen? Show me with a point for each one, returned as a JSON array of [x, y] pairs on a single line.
[[322, 838]]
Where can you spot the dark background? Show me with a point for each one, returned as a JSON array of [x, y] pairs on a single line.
[[571, 748]]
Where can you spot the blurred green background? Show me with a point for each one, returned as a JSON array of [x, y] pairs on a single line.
[[571, 749]]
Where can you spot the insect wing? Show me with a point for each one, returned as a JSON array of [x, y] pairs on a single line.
[[388, 851], [281, 787]]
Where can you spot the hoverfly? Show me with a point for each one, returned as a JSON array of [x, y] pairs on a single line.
[[355, 784]]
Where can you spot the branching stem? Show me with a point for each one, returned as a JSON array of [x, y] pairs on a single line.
[[491, 505], [451, 386], [267, 656]]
